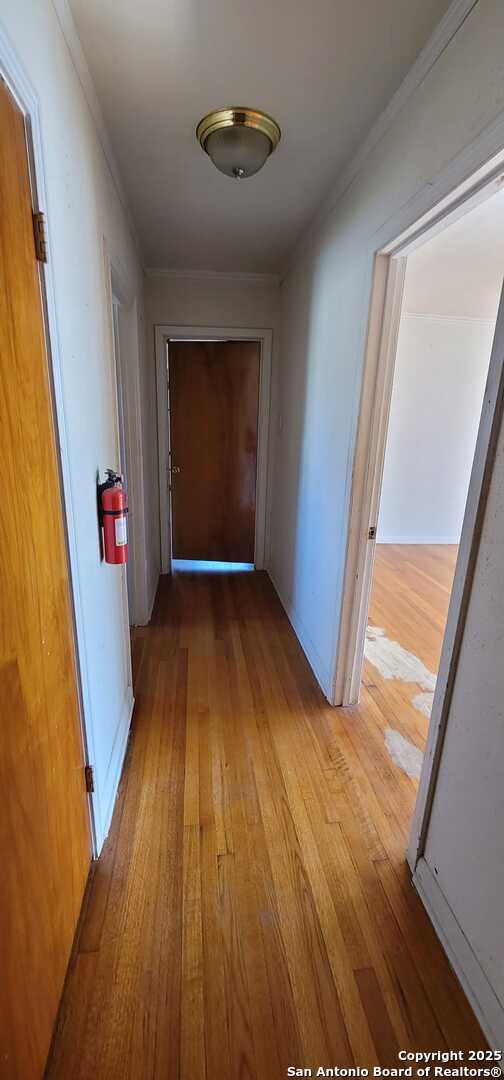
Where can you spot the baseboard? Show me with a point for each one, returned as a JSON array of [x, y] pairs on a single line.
[[418, 540], [113, 775], [152, 600], [487, 1007], [147, 616], [321, 673]]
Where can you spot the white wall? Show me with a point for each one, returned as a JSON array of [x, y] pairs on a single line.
[[206, 299], [439, 381], [450, 302], [211, 299], [459, 271], [465, 841], [83, 208], [325, 305]]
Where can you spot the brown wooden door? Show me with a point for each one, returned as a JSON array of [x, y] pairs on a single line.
[[44, 825], [214, 398]]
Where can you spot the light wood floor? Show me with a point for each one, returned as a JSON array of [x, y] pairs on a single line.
[[409, 601], [252, 908]]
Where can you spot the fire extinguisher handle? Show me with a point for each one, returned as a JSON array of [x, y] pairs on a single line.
[[112, 476]]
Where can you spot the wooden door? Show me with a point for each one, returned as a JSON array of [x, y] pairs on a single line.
[[44, 824], [214, 400]]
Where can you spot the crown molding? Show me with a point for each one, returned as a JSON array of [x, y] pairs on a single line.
[[71, 36], [439, 40], [214, 275]]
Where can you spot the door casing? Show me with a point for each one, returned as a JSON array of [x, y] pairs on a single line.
[[122, 288], [214, 403], [263, 487], [383, 324]]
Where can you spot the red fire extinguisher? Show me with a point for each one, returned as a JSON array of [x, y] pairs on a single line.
[[113, 518]]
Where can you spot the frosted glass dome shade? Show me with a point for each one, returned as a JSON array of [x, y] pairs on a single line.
[[238, 151], [238, 140]]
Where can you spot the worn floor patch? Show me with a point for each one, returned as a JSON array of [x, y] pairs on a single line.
[[423, 702], [404, 753], [394, 662]]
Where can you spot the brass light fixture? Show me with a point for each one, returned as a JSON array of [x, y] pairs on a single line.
[[238, 140]]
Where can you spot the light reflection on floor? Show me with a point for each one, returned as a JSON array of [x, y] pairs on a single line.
[[209, 566]]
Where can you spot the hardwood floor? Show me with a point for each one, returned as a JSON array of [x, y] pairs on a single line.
[[410, 595], [252, 908], [409, 601]]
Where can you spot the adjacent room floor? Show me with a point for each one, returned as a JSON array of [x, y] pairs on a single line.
[[252, 908], [407, 618]]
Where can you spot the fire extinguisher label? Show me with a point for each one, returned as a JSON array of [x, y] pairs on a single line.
[[121, 537]]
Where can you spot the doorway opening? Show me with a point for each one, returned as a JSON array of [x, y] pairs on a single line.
[[430, 413], [452, 285], [213, 389], [213, 393]]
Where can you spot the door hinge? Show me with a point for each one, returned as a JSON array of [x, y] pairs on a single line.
[[372, 532], [40, 236], [89, 778]]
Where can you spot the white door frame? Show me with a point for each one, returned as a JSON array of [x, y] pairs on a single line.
[[383, 326], [383, 330], [124, 454], [119, 286], [214, 333]]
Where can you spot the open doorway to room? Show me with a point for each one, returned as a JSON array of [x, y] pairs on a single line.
[[213, 390], [429, 413], [449, 309]]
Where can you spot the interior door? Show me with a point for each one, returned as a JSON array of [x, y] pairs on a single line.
[[44, 824], [214, 401]]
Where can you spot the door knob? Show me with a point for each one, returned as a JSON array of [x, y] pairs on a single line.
[[175, 468]]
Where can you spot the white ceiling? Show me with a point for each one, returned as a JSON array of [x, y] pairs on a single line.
[[460, 271], [325, 69]]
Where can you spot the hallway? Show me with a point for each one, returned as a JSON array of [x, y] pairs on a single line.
[[252, 907]]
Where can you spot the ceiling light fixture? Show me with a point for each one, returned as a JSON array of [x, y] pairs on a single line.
[[238, 140]]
